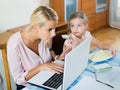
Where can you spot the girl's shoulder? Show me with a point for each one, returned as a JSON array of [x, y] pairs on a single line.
[[87, 33]]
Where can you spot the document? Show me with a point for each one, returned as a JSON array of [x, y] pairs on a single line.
[[89, 83], [111, 77]]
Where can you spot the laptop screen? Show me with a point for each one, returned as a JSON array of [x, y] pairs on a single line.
[[76, 61]]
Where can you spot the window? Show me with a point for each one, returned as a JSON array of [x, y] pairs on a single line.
[[101, 5], [70, 7]]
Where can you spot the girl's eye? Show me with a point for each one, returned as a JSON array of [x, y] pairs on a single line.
[[78, 25], [71, 25]]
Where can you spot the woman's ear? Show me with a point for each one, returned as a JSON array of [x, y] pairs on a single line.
[[35, 28]]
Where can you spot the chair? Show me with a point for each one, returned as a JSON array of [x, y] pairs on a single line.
[[57, 45]]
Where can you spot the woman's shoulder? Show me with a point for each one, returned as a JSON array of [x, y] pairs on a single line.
[[14, 38]]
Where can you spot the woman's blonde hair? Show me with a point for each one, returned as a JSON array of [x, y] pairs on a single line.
[[41, 15]]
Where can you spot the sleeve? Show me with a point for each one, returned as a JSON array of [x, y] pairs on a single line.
[[15, 64], [66, 43]]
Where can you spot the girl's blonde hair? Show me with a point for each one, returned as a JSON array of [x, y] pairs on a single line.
[[81, 15], [41, 15]]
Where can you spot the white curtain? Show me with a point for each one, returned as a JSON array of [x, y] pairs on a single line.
[[114, 19]]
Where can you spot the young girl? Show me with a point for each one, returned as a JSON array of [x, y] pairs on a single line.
[[79, 32]]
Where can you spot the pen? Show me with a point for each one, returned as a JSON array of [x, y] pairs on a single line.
[[102, 82], [105, 83]]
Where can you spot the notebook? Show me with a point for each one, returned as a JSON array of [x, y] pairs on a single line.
[[76, 61]]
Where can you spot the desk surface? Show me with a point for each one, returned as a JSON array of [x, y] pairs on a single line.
[[115, 61]]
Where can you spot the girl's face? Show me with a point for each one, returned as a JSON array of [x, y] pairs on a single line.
[[77, 27], [47, 31]]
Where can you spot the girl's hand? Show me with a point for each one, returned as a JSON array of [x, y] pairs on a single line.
[[74, 41], [101, 45], [66, 50], [53, 67], [113, 51]]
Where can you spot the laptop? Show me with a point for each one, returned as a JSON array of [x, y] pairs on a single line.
[[76, 61]]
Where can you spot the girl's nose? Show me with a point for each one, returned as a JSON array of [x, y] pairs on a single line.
[[75, 28]]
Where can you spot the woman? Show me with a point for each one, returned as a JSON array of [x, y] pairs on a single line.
[[28, 50]]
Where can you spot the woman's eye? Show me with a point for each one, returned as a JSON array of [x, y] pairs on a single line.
[[50, 29]]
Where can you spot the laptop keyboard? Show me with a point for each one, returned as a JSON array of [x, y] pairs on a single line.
[[54, 81]]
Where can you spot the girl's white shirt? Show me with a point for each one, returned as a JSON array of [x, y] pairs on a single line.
[[67, 42]]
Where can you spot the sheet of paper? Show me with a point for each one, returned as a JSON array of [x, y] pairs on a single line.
[[110, 77], [88, 83]]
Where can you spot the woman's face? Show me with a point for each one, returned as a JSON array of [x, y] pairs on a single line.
[[47, 31], [77, 27]]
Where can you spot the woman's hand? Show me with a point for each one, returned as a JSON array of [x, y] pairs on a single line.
[[53, 67]]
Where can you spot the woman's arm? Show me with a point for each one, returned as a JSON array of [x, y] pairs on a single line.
[[53, 67]]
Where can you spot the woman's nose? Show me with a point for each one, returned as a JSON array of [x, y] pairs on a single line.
[[53, 33]]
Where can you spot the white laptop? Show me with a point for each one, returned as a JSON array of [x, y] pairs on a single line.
[[76, 61]]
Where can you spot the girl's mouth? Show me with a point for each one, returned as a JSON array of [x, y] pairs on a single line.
[[76, 33]]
